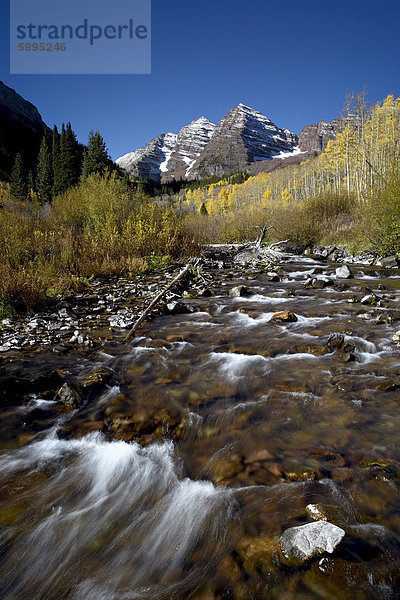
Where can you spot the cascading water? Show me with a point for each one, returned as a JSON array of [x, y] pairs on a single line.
[[222, 429]]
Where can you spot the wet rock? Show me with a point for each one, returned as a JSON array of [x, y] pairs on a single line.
[[316, 512], [71, 395], [222, 469], [285, 316], [342, 475], [346, 352], [329, 458], [97, 379], [303, 543], [258, 456], [239, 291], [389, 385], [45, 384], [334, 578], [121, 320], [388, 262], [256, 553], [302, 474], [205, 293], [326, 512], [179, 308], [335, 341], [314, 349], [396, 337], [370, 299], [318, 283], [343, 272], [81, 339], [273, 277]]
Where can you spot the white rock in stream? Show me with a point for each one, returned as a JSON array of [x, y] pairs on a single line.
[[299, 544], [396, 337], [343, 272]]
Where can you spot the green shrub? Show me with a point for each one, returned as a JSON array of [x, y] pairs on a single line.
[[380, 218]]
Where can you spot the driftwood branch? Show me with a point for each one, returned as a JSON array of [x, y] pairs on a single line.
[[147, 311], [263, 232], [277, 244]]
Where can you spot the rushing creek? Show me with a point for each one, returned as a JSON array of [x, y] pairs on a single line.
[[251, 422]]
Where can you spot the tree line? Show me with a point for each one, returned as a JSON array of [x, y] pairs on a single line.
[[62, 162]]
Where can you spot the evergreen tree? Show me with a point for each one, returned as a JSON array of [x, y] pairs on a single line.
[[70, 158], [203, 209], [96, 159], [45, 173], [19, 182], [31, 182], [57, 167], [141, 186]]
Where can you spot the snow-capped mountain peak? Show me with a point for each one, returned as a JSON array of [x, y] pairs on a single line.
[[201, 148]]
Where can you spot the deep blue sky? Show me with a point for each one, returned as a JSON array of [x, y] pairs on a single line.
[[294, 60]]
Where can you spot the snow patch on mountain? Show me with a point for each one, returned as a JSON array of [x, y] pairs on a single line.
[[167, 150], [294, 152]]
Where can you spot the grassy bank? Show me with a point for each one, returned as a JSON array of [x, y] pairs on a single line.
[[99, 227]]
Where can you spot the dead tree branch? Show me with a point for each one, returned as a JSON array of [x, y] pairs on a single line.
[[192, 263], [263, 232]]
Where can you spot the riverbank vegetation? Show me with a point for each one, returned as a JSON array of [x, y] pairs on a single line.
[[347, 195], [99, 227], [82, 218]]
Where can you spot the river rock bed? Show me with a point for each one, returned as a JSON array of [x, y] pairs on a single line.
[[264, 398]]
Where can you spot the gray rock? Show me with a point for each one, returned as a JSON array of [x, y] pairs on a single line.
[[121, 320], [179, 308], [205, 293], [318, 283], [343, 272], [370, 299], [239, 291], [388, 262], [300, 544], [335, 341], [70, 395], [396, 337]]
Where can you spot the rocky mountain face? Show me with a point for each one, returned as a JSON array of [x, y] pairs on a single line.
[[149, 162], [21, 130], [169, 156], [315, 138], [242, 137], [190, 142], [201, 148]]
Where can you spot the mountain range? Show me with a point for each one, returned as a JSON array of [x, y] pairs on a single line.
[[243, 140]]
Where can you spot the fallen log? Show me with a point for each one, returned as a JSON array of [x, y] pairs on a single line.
[[191, 264]]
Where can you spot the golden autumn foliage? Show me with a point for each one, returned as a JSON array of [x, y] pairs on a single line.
[[353, 168]]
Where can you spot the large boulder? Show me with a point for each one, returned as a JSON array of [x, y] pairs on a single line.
[[303, 543], [343, 272]]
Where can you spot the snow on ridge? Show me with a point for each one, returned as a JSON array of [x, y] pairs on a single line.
[[128, 158], [296, 150]]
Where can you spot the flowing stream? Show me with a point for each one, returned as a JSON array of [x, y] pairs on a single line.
[[177, 480]]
